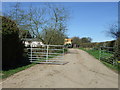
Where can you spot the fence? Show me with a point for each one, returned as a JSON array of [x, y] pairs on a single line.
[[106, 54], [46, 54]]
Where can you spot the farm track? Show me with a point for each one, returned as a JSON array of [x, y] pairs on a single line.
[[82, 71]]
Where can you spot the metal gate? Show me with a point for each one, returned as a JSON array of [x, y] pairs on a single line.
[[46, 54]]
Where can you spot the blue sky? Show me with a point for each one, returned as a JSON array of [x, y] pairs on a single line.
[[92, 20], [87, 19]]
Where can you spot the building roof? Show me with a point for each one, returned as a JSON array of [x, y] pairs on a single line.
[[31, 39]]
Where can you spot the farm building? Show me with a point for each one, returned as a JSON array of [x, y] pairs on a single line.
[[32, 43], [68, 41]]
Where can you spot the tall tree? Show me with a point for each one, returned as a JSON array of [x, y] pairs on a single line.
[[55, 31], [39, 20]]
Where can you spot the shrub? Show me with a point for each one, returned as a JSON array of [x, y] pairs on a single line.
[[12, 47]]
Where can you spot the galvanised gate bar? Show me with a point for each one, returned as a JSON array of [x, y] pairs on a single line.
[[53, 54]]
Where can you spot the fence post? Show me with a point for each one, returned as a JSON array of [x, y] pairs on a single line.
[[31, 54], [63, 50], [99, 53], [113, 62], [47, 53]]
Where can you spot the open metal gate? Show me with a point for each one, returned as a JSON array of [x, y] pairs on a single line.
[[53, 54]]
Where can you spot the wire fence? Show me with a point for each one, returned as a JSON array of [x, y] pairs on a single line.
[[107, 54]]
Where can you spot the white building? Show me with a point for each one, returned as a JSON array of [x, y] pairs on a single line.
[[32, 43]]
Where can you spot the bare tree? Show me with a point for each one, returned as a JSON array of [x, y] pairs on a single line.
[[17, 14], [43, 22], [56, 26], [114, 31], [36, 21]]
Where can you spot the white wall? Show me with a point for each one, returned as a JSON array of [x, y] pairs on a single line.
[[33, 44]]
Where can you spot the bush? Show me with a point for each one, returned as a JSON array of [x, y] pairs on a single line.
[[12, 47]]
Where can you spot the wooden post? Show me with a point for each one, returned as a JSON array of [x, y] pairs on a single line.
[[99, 53]]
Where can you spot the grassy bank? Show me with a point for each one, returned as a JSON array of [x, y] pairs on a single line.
[[95, 53], [5, 74]]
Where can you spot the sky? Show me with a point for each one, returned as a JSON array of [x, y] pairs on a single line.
[[87, 19]]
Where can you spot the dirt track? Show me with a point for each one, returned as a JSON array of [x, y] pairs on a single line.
[[82, 71]]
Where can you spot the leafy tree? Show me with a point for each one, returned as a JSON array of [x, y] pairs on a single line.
[[86, 40], [76, 40], [25, 34], [82, 42], [53, 37]]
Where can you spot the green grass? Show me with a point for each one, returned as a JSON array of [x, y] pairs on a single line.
[[5, 74], [115, 68], [95, 53], [13, 71]]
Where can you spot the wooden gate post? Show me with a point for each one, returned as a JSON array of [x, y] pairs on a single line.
[[99, 53]]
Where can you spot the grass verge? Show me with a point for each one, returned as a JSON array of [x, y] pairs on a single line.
[[95, 53], [8, 73], [5, 74]]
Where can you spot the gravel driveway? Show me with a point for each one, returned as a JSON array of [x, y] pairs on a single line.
[[82, 71]]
